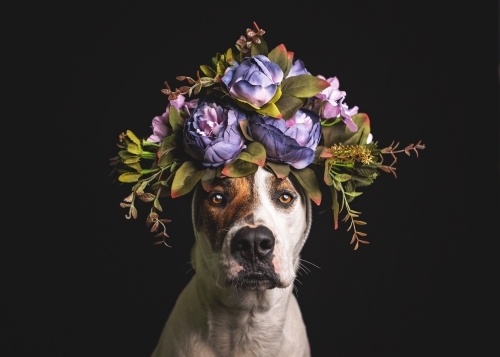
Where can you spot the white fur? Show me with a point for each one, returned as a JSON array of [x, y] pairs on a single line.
[[212, 320]]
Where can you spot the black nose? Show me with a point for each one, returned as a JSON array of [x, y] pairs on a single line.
[[253, 243]]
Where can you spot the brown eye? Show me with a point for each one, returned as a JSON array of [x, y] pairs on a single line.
[[285, 198], [216, 199]]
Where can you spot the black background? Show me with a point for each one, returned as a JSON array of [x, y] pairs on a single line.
[[81, 280]]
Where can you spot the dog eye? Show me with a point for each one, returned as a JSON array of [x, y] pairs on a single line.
[[216, 198], [285, 198]]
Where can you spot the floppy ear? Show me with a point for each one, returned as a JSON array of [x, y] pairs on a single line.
[[196, 193]]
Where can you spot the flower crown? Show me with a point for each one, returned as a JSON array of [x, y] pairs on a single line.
[[255, 108]]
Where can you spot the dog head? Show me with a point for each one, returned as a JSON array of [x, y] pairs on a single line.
[[250, 230]]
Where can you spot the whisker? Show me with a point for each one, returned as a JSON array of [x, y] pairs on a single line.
[[305, 261], [304, 269]]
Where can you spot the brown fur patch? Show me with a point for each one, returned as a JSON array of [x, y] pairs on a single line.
[[239, 202]]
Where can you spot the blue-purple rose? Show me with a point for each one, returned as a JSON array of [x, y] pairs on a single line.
[[212, 133], [254, 81], [291, 141]]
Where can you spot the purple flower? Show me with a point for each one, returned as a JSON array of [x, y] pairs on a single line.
[[161, 127], [331, 103], [291, 141], [297, 69], [346, 114], [332, 97], [212, 133], [254, 81]]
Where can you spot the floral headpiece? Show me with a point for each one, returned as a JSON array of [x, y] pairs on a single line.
[[254, 108]]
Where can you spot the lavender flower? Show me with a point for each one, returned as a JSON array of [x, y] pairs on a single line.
[[331, 103], [161, 127]]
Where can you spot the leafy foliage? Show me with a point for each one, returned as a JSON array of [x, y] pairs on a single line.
[[349, 159]]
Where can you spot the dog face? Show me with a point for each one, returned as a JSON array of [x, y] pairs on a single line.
[[250, 231]]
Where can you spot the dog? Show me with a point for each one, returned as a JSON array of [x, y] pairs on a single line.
[[249, 232]]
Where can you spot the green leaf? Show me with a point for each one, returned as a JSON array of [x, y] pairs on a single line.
[[350, 186], [239, 168], [280, 170], [169, 143], [303, 85], [254, 153], [124, 155], [166, 159], [309, 183], [270, 109], [327, 177], [132, 160], [359, 137], [333, 134], [157, 205], [208, 179], [244, 129], [186, 177], [229, 55], [289, 57], [342, 177], [335, 207], [353, 194], [134, 138], [340, 133], [208, 71], [279, 56], [362, 181], [129, 177], [221, 69], [175, 120], [288, 105], [366, 171], [134, 148], [161, 189], [259, 48], [190, 152], [136, 166]]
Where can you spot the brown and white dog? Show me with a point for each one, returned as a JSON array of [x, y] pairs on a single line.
[[249, 233]]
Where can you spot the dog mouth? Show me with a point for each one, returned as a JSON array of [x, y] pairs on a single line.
[[256, 280]]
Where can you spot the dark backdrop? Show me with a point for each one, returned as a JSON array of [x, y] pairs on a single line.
[[84, 281]]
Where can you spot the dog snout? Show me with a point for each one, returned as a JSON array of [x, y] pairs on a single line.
[[253, 243]]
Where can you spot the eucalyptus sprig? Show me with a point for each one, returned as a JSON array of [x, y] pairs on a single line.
[[391, 150], [350, 166], [158, 178]]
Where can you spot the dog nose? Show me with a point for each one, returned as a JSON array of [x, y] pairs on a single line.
[[255, 242]]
